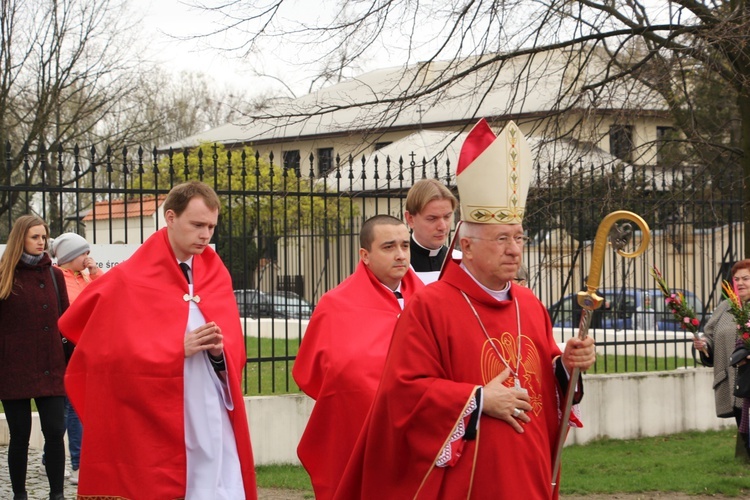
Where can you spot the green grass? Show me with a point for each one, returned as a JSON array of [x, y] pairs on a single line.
[[266, 377], [691, 463], [620, 363], [288, 477]]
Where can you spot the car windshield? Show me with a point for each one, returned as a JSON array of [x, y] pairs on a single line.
[[249, 296], [292, 306]]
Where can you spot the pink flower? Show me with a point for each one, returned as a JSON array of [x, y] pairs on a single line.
[[686, 320]]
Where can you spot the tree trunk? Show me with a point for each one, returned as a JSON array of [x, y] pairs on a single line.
[[744, 105]]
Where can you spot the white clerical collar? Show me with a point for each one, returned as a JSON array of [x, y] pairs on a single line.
[[430, 251], [503, 294]]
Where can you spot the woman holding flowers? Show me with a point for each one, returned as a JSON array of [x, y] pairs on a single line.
[[716, 347]]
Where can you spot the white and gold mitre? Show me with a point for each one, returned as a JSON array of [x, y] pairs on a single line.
[[493, 175]]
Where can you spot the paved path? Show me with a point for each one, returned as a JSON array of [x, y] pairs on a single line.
[[36, 482], [38, 488]]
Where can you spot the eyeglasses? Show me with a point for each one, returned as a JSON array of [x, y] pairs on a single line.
[[505, 240]]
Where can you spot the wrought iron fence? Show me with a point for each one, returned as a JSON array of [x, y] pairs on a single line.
[[287, 236]]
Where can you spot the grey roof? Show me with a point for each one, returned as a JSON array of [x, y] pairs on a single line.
[[434, 154], [527, 85]]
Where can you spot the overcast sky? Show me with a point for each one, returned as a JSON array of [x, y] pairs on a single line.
[[171, 28], [169, 25], [165, 22]]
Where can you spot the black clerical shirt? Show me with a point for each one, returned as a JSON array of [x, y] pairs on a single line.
[[421, 260]]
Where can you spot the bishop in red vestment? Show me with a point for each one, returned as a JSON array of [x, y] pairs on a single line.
[[342, 355], [469, 402], [126, 377]]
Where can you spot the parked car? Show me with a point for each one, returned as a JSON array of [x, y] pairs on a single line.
[[664, 318], [623, 304], [290, 305], [257, 304], [253, 304]]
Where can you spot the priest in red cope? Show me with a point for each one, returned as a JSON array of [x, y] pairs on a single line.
[[342, 354], [155, 376], [470, 399]]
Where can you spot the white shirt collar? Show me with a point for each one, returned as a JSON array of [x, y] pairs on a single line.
[[189, 262], [398, 289], [498, 295]]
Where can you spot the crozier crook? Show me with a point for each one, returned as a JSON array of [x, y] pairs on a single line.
[[619, 237]]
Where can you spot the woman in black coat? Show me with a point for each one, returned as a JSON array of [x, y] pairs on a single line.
[[32, 361]]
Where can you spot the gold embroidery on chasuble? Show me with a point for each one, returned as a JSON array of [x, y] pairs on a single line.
[[529, 370]]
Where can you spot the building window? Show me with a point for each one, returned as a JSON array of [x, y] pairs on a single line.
[[381, 145], [325, 160], [291, 160], [621, 142], [666, 147]]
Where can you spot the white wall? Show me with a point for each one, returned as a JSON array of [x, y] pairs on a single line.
[[614, 406], [647, 404], [276, 426], [274, 328]]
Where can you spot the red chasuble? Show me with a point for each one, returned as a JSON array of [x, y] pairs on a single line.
[[339, 365], [438, 357], [125, 378]]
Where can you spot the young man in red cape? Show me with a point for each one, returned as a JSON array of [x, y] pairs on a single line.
[[342, 355], [471, 393], [155, 376]]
